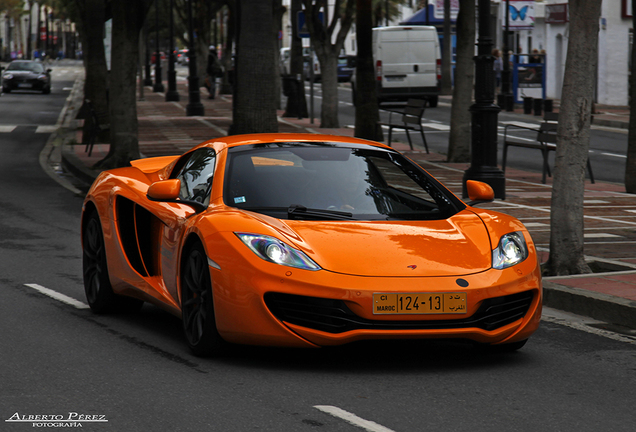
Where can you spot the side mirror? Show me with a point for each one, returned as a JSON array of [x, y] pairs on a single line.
[[479, 192], [164, 190], [168, 191]]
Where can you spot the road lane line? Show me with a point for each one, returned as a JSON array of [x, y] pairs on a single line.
[[615, 155], [352, 418], [58, 296]]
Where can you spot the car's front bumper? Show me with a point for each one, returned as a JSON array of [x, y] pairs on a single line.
[[269, 304]]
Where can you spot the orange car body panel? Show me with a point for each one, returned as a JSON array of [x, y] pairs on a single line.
[[358, 258]]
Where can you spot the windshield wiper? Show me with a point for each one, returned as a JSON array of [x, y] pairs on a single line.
[[298, 211]]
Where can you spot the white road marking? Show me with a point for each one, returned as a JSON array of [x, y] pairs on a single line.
[[46, 129], [599, 235], [352, 418], [614, 155], [437, 126], [58, 296], [7, 129]]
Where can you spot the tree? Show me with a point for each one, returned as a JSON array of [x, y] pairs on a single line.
[[460, 135], [367, 111], [446, 86], [296, 102], [202, 15], [630, 166], [128, 20], [92, 14], [573, 141], [255, 96], [321, 36]]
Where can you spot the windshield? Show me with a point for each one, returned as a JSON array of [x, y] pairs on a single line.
[[25, 66], [333, 181]]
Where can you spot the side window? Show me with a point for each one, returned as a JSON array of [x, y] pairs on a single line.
[[196, 176]]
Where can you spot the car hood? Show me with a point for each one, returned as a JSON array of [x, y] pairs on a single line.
[[456, 246]]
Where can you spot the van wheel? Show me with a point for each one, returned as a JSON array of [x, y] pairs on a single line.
[[432, 101]]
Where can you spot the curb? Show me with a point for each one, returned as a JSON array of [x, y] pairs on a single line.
[[602, 307], [52, 155]]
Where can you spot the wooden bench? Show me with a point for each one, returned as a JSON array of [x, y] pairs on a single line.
[[545, 141], [411, 119]]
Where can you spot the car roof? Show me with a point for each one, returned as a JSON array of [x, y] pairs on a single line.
[[267, 138]]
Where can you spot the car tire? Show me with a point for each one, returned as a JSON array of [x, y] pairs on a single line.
[[97, 287], [6, 90], [46, 90], [197, 303], [432, 101]]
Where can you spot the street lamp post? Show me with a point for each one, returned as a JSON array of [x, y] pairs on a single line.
[[172, 94], [506, 98], [194, 106], [484, 113], [158, 87]]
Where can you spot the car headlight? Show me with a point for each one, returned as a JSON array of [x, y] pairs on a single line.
[[43, 78], [273, 250], [512, 249], [7, 76]]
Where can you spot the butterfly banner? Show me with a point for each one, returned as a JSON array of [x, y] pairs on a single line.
[[520, 14]]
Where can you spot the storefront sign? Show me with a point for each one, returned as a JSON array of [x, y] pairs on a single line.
[[520, 14], [556, 13]]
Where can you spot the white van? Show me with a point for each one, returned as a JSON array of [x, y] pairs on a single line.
[[408, 63]]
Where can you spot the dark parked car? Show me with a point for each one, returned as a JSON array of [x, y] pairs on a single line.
[[346, 67], [26, 75]]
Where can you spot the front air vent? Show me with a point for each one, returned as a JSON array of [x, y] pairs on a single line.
[[333, 316]]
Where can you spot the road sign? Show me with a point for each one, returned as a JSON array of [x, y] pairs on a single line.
[[303, 31]]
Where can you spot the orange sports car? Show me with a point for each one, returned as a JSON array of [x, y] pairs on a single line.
[[307, 241]]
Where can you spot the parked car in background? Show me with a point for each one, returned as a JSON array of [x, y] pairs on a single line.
[[26, 75], [182, 57], [346, 67]]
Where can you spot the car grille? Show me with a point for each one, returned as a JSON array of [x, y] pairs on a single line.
[[333, 316]]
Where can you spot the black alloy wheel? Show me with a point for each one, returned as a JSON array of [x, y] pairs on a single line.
[[197, 304], [99, 292]]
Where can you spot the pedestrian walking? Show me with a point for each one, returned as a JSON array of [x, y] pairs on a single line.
[[498, 67], [213, 70]]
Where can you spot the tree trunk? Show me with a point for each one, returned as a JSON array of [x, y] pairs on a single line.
[[446, 85], [630, 166], [327, 52], [296, 105], [329, 81], [93, 14], [128, 20], [255, 108], [459, 140], [573, 141], [366, 101]]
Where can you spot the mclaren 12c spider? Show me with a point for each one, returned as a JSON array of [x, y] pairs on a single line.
[[304, 240]]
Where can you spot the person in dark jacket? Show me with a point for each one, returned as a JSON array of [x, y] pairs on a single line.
[[213, 70]]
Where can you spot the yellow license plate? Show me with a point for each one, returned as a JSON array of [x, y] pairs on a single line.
[[419, 303]]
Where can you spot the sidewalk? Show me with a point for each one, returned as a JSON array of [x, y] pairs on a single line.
[[607, 295]]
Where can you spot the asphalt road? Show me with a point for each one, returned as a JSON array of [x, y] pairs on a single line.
[[608, 146], [133, 372]]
